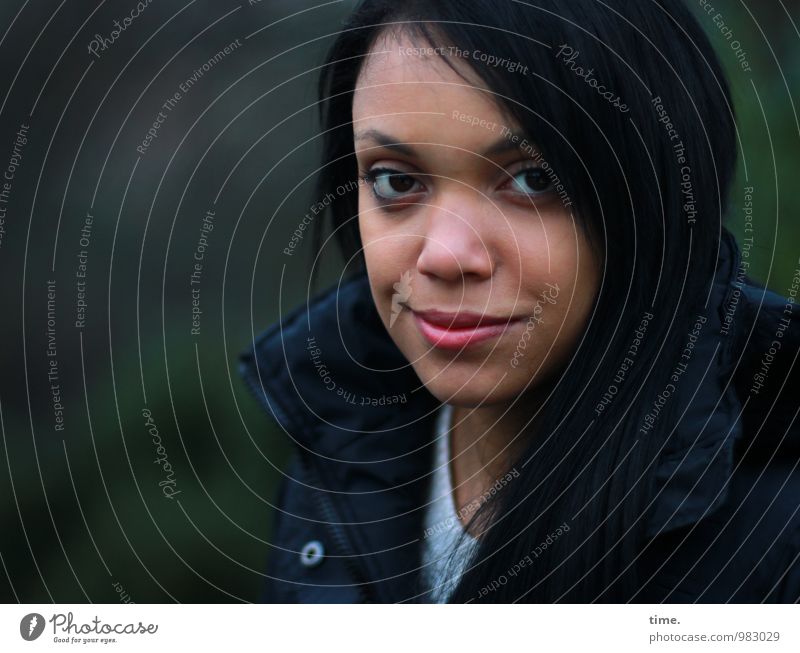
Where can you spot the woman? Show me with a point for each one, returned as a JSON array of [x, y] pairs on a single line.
[[541, 378]]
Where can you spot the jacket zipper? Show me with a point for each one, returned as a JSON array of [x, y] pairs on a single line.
[[338, 533], [325, 505]]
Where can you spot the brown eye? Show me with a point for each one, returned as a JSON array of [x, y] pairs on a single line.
[[532, 181], [401, 183], [390, 184]]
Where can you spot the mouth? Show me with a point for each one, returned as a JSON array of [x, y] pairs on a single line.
[[458, 330]]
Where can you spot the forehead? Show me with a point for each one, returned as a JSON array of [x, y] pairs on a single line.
[[403, 85]]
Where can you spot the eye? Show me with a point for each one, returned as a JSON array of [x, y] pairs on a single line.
[[388, 184], [531, 181]]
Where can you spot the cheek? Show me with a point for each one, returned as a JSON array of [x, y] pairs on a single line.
[[372, 229], [385, 255], [555, 252], [571, 266], [373, 244]]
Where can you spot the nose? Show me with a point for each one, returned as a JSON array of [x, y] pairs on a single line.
[[456, 244]]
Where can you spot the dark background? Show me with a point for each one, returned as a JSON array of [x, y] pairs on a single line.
[[81, 509]]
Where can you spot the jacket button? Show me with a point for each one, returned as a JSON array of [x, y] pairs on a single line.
[[312, 553]]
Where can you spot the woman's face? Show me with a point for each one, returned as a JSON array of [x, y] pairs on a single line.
[[476, 265]]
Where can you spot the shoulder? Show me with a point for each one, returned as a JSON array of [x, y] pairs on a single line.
[[766, 374], [746, 551], [762, 516]]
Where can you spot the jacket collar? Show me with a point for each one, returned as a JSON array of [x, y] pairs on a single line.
[[697, 461], [332, 378]]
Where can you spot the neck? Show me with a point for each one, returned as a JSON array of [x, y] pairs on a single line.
[[484, 442]]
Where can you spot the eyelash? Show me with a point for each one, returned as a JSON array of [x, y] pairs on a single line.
[[371, 177]]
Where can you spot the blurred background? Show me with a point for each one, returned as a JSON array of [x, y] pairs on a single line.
[[124, 154]]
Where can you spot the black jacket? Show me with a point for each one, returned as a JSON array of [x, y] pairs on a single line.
[[348, 519]]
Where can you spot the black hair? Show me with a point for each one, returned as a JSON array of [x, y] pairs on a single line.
[[648, 173]]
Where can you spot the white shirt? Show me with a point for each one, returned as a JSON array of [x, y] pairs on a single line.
[[442, 526]]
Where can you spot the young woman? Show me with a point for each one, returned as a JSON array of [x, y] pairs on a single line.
[[542, 377]]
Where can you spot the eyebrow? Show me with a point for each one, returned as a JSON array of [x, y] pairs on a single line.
[[510, 142]]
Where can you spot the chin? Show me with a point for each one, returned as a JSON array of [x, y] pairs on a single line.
[[459, 390]]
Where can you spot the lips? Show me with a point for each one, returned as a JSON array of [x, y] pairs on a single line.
[[457, 330]]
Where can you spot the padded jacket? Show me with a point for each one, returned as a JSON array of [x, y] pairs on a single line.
[[348, 517]]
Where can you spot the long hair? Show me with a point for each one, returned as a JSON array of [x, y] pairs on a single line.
[[648, 172]]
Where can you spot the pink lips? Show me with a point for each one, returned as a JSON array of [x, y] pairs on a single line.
[[457, 330]]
